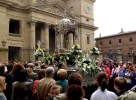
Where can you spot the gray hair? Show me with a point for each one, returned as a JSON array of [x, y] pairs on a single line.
[[49, 71]]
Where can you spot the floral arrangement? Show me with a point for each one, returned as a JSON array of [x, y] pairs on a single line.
[[94, 51], [57, 58], [48, 59], [39, 52], [88, 66], [76, 50]]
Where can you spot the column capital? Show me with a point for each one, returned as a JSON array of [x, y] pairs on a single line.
[[46, 25], [31, 22]]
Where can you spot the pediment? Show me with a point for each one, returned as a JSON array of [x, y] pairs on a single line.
[[56, 9]]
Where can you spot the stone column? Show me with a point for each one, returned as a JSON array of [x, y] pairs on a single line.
[[61, 40], [42, 38], [32, 40], [46, 36], [76, 37], [70, 37]]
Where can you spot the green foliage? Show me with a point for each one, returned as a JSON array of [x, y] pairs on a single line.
[[88, 66], [94, 51], [39, 52], [76, 50], [70, 59], [48, 59]]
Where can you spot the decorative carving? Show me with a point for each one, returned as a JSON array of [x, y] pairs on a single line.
[[31, 22], [53, 10], [47, 25]]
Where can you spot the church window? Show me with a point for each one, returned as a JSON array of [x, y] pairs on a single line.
[[101, 43], [119, 40], [88, 40], [130, 39], [14, 26], [110, 42]]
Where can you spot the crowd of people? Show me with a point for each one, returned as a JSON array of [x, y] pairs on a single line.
[[29, 81]]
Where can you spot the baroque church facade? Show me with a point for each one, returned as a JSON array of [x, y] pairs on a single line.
[[25, 22]]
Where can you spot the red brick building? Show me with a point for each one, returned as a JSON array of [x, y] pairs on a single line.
[[120, 46]]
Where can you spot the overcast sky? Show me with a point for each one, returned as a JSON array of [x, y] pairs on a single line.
[[112, 15]]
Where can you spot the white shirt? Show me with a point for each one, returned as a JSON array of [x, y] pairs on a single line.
[[105, 95]]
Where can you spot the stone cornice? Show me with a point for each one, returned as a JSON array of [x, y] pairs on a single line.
[[85, 17], [87, 26], [13, 6], [31, 8], [3, 49], [93, 1], [117, 35]]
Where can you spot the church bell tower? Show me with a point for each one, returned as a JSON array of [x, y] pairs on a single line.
[[83, 10]]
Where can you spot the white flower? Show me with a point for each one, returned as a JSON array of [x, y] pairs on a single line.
[[67, 58], [95, 48], [73, 47], [84, 69], [88, 67], [91, 52], [84, 65]]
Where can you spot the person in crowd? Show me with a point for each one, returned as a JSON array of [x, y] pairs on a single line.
[[113, 73], [45, 84], [54, 91], [2, 69], [119, 68], [36, 65], [44, 66], [129, 63], [123, 72], [102, 93], [75, 92], [130, 77], [21, 89], [124, 95], [34, 76], [41, 75], [112, 77], [10, 77], [107, 70], [60, 66], [2, 88], [120, 85], [98, 64], [29, 71], [9, 68], [74, 78], [16, 70], [63, 82]]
